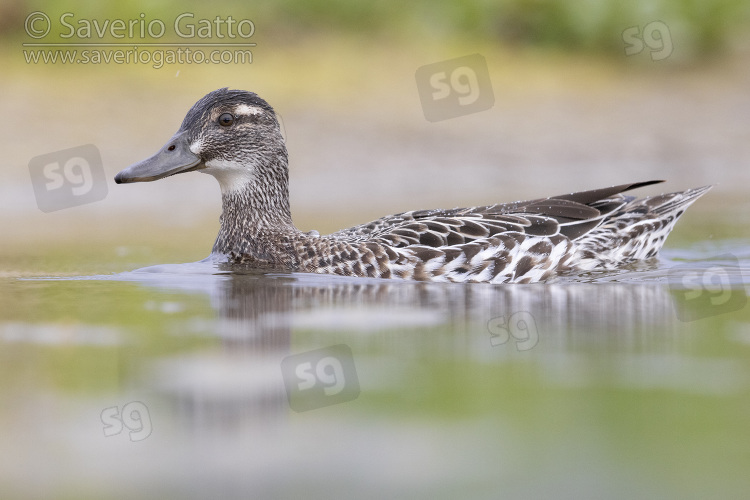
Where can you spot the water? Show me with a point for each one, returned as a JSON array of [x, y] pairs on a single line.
[[186, 381]]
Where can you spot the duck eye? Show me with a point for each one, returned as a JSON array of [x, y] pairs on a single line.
[[226, 119]]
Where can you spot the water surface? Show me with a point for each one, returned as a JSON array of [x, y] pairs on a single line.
[[184, 381]]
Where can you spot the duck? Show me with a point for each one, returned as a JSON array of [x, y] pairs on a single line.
[[234, 135]]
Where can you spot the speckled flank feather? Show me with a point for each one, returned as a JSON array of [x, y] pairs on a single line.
[[521, 242]]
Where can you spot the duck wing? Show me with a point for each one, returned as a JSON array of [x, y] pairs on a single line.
[[571, 215]]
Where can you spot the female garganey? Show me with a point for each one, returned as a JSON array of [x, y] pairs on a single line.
[[234, 135]]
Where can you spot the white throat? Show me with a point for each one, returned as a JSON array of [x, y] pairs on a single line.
[[232, 176]]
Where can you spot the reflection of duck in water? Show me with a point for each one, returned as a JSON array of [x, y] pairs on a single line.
[[234, 135]]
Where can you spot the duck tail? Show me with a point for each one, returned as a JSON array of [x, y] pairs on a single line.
[[636, 231], [674, 203]]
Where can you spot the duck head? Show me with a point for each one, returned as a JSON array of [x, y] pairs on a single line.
[[231, 134]]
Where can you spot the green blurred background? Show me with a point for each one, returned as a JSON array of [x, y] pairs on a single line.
[[571, 111], [618, 400], [705, 27]]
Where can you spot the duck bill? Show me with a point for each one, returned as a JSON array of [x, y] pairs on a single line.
[[174, 158]]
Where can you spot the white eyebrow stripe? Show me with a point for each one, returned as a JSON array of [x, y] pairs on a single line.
[[244, 110]]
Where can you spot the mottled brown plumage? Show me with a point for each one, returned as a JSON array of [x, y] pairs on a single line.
[[234, 135]]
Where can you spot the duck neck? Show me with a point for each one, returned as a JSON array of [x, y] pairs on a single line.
[[256, 221]]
